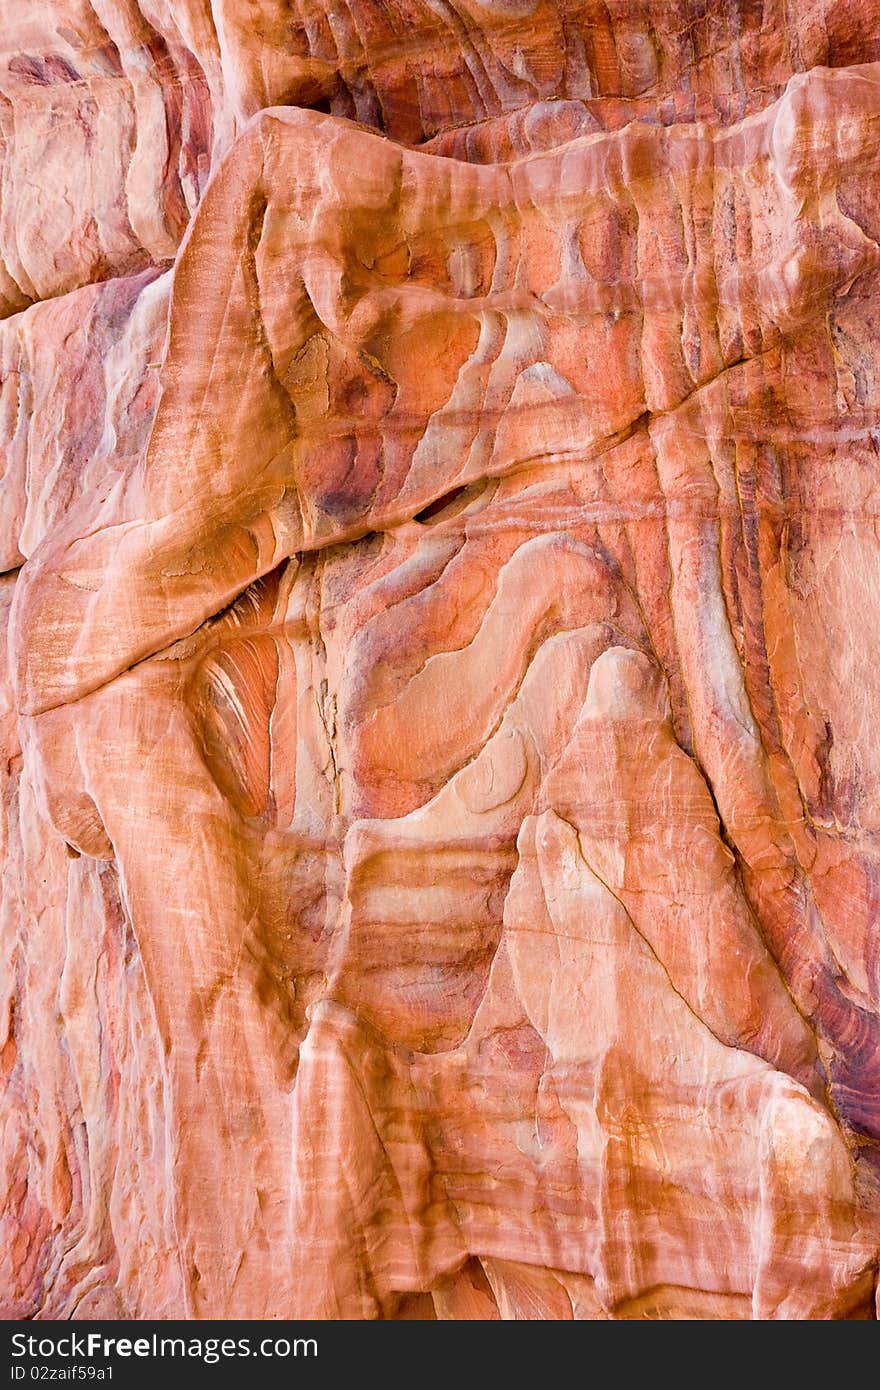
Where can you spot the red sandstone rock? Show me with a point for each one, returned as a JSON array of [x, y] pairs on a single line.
[[440, 782]]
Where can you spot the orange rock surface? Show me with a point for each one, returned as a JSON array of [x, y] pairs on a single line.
[[440, 783]]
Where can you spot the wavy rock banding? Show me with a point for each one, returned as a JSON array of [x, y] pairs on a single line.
[[440, 790]]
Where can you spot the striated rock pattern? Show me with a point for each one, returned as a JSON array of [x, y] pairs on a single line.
[[440, 524]]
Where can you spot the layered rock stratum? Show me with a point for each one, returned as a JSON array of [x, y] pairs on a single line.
[[440, 524]]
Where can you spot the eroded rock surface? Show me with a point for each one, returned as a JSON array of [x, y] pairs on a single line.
[[441, 791]]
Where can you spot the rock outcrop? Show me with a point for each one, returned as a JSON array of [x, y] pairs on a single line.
[[440, 790]]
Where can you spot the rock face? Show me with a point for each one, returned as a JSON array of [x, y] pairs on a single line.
[[441, 785]]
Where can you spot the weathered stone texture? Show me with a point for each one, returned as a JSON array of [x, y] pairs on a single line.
[[440, 515]]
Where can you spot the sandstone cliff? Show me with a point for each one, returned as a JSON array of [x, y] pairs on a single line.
[[440, 524]]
